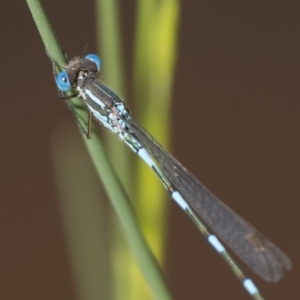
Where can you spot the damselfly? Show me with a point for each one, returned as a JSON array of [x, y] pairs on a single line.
[[204, 208]]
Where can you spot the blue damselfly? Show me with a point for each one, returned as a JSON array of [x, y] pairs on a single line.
[[204, 208]]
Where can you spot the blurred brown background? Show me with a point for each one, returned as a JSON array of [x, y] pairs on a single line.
[[236, 126]]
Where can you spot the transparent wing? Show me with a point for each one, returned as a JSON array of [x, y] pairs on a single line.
[[261, 255]]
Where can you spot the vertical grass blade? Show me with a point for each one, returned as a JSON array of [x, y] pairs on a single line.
[[155, 57], [112, 185], [110, 48]]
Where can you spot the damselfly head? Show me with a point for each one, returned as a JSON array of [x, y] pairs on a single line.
[[83, 67]]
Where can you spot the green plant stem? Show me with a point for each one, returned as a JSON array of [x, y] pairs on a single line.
[[114, 189], [109, 41], [155, 57], [110, 47]]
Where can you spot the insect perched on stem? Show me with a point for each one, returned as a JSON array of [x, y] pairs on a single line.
[[203, 207]]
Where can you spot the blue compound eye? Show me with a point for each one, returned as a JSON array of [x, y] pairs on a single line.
[[62, 82], [96, 59]]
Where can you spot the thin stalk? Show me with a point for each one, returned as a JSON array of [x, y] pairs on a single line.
[[110, 48], [112, 185], [155, 57]]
